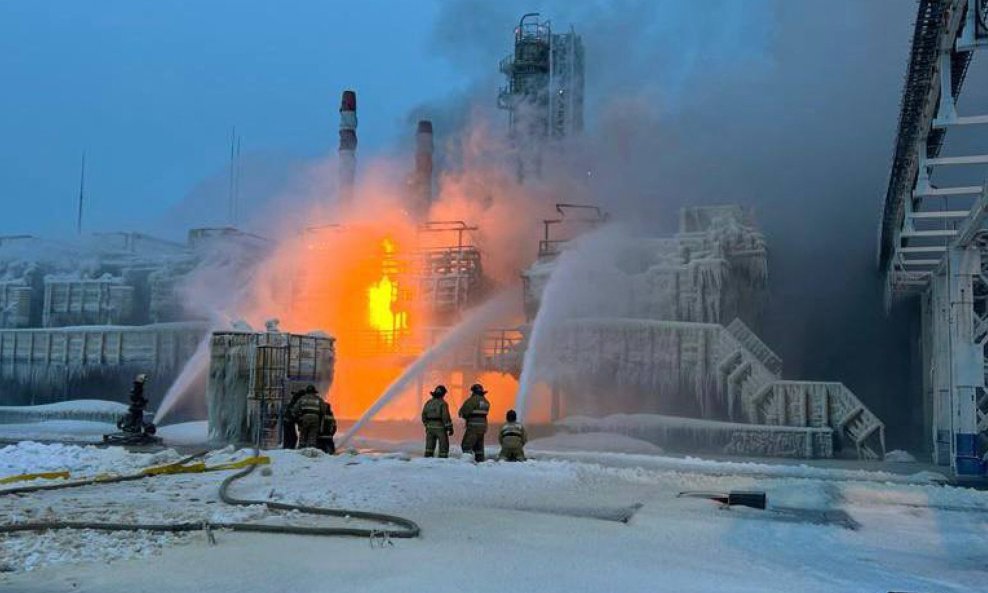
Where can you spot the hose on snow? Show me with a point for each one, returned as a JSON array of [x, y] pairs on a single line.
[[392, 525]]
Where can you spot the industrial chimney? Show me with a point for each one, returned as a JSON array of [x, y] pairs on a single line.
[[348, 145], [423, 165]]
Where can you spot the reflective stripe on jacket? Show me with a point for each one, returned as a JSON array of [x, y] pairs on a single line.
[[475, 409], [514, 433], [310, 403]]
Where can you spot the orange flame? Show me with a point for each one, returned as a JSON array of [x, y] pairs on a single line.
[[382, 299], [357, 281]]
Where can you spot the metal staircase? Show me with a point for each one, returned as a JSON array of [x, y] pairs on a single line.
[[746, 366], [753, 344], [822, 404], [749, 378]]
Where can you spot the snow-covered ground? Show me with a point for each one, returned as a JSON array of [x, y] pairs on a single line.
[[92, 410], [75, 431], [72, 406], [185, 433], [538, 526], [84, 431], [608, 442]]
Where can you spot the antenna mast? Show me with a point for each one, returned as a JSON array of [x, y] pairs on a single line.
[[82, 189]]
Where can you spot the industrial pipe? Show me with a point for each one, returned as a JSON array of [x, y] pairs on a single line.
[[348, 145], [424, 148]]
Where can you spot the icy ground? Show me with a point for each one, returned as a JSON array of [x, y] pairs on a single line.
[[76, 431], [547, 525], [85, 431]]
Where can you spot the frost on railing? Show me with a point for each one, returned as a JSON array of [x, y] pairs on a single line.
[[823, 404], [753, 343]]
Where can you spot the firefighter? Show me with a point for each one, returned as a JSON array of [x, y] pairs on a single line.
[[290, 432], [327, 429], [307, 412], [134, 422], [438, 424], [512, 439], [474, 412]]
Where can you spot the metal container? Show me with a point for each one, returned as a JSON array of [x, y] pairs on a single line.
[[251, 377]]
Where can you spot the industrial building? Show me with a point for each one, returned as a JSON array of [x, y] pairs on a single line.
[[679, 345], [544, 91], [80, 318], [932, 244]]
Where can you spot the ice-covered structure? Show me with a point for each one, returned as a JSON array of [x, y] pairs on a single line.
[[714, 269], [81, 317], [252, 376], [664, 329]]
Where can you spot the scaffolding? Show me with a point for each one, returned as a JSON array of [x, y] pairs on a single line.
[[544, 91]]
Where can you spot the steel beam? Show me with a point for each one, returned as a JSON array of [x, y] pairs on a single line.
[[976, 159], [940, 214], [924, 249], [933, 233], [948, 191], [970, 120]]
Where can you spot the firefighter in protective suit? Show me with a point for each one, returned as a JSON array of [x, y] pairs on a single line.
[[512, 439], [134, 422], [289, 431], [438, 424], [327, 430], [308, 411], [474, 411]]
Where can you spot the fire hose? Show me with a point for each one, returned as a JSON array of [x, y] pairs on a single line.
[[392, 525]]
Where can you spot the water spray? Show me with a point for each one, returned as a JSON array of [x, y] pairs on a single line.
[[474, 323]]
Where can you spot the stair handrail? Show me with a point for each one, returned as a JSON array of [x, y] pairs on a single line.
[[756, 346]]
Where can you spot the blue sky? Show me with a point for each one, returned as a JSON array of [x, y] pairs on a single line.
[[150, 91]]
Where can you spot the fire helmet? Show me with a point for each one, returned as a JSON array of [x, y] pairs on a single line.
[[439, 391], [477, 388], [310, 389]]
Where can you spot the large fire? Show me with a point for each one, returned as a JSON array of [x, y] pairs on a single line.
[[382, 299], [361, 280]]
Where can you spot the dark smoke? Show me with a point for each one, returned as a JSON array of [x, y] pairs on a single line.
[[787, 107]]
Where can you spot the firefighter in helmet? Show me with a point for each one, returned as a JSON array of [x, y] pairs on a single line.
[[308, 412], [474, 412], [133, 422], [289, 430], [438, 424], [512, 439], [327, 430]]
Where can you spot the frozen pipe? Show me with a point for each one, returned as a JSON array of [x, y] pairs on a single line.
[[348, 145], [423, 163]]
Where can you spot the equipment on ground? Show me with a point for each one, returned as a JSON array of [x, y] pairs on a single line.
[[745, 498], [135, 428]]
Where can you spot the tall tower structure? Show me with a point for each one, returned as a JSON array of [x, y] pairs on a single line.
[[348, 145], [544, 91], [421, 181]]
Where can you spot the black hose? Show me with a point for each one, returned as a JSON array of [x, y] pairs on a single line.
[[409, 527], [406, 527]]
